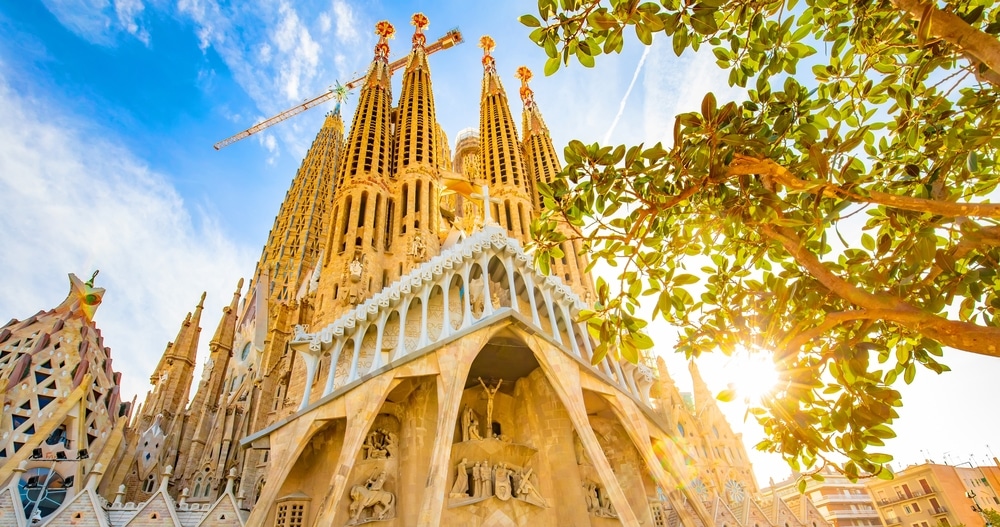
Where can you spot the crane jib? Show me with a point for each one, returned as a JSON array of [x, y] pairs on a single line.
[[450, 39]]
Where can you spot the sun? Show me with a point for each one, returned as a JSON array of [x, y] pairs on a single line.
[[752, 374]]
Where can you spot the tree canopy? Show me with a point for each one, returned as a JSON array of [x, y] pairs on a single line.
[[838, 218]]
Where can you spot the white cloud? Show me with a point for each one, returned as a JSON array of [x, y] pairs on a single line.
[[281, 61], [325, 23], [75, 201], [128, 12], [100, 21], [675, 85], [347, 26], [301, 53]]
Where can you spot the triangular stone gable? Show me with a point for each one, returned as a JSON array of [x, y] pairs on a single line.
[[158, 511], [224, 513], [11, 514], [755, 516], [783, 515], [83, 509], [811, 517], [722, 516]]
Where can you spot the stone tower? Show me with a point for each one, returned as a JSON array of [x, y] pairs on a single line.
[[500, 154], [542, 165], [153, 440], [362, 202], [61, 408]]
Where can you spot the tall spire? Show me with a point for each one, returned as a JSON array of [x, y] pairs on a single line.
[[369, 142], [416, 125], [202, 410], [298, 236], [501, 152], [540, 159], [416, 150], [361, 225], [173, 375], [542, 164]]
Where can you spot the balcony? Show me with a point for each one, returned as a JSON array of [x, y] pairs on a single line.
[[854, 513], [893, 521], [842, 498], [939, 510], [912, 496]]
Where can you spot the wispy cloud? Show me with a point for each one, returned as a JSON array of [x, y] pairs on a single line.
[[676, 85], [294, 41], [75, 201], [347, 26], [284, 59], [101, 21]]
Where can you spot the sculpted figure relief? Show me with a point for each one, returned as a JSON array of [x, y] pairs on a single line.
[[370, 503], [418, 248], [470, 425], [490, 394], [461, 487], [380, 444]]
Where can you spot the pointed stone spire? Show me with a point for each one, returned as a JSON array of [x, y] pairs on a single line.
[[416, 156], [363, 207], [500, 155], [542, 164], [703, 398], [370, 140], [203, 408], [173, 375], [416, 127], [299, 236]]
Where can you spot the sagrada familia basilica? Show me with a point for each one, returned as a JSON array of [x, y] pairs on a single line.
[[396, 359]]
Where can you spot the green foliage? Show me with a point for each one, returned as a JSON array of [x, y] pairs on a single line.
[[992, 517], [841, 223]]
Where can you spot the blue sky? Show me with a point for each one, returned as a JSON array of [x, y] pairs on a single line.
[[108, 113]]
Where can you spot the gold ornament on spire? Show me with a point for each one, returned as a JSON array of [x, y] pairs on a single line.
[[525, 75], [486, 42], [420, 22], [385, 31]]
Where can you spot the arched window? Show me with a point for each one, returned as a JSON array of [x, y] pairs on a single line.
[[149, 485]]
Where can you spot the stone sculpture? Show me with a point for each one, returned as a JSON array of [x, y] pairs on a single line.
[[370, 503], [490, 394], [461, 487]]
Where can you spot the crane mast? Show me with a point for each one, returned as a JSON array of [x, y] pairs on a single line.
[[451, 38]]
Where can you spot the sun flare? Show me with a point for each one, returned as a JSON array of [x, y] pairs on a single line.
[[752, 375]]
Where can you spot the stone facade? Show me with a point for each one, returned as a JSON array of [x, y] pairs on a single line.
[[397, 359]]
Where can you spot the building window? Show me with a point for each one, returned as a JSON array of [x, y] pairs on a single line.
[[149, 485], [290, 514]]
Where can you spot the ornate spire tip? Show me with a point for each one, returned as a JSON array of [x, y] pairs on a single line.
[[420, 21], [385, 30], [486, 42]]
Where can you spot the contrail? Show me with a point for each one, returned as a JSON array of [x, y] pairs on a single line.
[[621, 106]]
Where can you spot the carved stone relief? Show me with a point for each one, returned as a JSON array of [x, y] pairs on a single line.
[[598, 501], [373, 491], [369, 502]]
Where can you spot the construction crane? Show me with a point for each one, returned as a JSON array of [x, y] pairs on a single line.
[[339, 91]]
